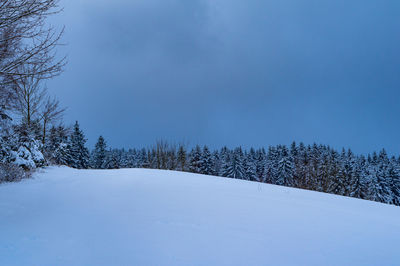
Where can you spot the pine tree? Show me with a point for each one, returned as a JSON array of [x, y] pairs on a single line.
[[182, 157], [338, 185], [113, 159], [78, 153], [285, 169], [271, 166], [301, 169], [206, 164], [99, 155], [233, 167], [360, 188], [351, 175], [216, 163], [125, 159], [250, 166], [383, 190], [324, 169], [143, 161], [51, 145], [195, 160], [172, 161], [62, 154], [224, 161], [394, 183], [61, 144], [261, 162]]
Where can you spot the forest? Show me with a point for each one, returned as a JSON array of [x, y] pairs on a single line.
[[314, 167]]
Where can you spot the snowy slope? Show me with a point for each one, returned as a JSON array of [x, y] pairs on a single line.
[[151, 217]]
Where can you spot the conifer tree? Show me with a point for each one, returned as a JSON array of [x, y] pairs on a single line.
[[250, 167], [77, 151], [383, 190], [394, 183], [143, 161], [233, 167], [172, 161], [285, 169], [62, 145], [112, 159], [195, 160], [216, 163], [271, 166], [261, 163], [99, 155], [206, 165], [224, 161]]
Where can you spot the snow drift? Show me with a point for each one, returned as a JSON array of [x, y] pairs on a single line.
[[151, 217]]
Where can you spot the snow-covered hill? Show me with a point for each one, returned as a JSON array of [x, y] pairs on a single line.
[[151, 217]]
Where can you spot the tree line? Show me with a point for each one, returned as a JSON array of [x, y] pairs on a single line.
[[315, 167]]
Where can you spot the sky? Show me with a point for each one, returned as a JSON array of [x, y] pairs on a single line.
[[233, 72]]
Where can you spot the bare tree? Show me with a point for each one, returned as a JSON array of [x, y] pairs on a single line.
[[32, 103], [26, 40], [50, 112], [29, 95]]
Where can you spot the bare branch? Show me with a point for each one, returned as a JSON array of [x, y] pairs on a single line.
[[25, 39]]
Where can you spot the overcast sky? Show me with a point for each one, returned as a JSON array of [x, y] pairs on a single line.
[[230, 72]]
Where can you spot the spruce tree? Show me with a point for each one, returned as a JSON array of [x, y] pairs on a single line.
[[285, 169], [224, 161], [99, 155], [233, 167], [271, 166], [261, 162], [172, 161], [113, 159], [216, 163], [206, 164], [182, 157], [394, 183], [384, 193], [78, 153], [195, 160], [250, 165], [143, 160], [61, 153]]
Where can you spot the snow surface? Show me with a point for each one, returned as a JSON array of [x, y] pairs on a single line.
[[151, 217]]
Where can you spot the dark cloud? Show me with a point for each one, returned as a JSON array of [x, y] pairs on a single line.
[[234, 72]]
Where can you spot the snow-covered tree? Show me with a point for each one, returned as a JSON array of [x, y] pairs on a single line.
[[233, 166], [285, 168], [206, 164], [77, 151], [112, 160], [99, 154], [182, 158], [195, 160], [250, 165], [261, 173]]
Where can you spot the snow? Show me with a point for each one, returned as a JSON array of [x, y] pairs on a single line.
[[150, 217], [23, 157]]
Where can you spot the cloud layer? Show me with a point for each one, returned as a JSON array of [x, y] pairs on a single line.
[[234, 72]]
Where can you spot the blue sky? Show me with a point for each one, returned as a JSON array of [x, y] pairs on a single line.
[[219, 72]]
